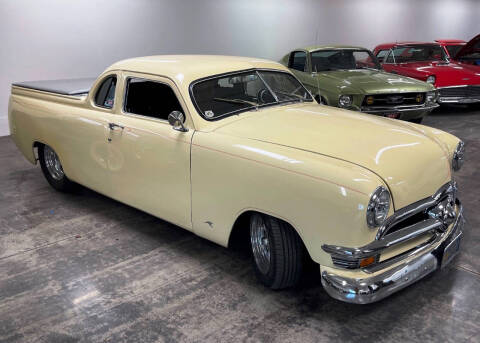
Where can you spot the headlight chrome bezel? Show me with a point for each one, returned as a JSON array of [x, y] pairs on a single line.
[[458, 156], [345, 101], [431, 79], [379, 201]]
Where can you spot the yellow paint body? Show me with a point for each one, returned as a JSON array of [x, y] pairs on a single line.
[[313, 166]]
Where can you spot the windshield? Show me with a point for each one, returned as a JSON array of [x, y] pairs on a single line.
[[416, 53], [225, 95], [347, 59], [453, 49]]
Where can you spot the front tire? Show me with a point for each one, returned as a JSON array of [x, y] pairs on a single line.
[[277, 250], [52, 169]]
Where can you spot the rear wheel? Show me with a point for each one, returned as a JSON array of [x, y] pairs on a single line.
[[52, 169], [277, 251]]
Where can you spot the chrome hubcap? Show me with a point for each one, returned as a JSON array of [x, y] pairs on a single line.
[[52, 163], [260, 243]]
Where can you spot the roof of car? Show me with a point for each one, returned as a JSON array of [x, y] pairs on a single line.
[[330, 47], [450, 41], [187, 68], [392, 44]]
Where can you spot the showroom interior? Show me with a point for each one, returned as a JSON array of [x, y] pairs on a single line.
[[86, 254]]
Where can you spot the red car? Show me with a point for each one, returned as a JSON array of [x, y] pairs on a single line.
[[462, 52], [456, 82]]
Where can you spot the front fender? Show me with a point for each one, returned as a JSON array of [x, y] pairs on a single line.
[[323, 198]]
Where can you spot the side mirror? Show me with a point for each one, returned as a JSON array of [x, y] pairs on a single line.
[[176, 119]]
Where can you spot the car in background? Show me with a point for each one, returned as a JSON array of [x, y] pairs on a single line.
[[456, 83], [461, 51], [451, 46], [351, 78]]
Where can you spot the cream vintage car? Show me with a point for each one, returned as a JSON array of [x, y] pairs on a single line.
[[235, 148]]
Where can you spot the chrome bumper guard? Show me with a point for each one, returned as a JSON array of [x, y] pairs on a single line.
[[377, 287], [458, 100], [406, 108]]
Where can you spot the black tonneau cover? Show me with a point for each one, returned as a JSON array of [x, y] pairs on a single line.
[[64, 87]]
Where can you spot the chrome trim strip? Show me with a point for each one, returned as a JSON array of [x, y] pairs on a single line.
[[375, 288], [416, 207], [405, 108], [457, 100], [458, 225], [400, 236]]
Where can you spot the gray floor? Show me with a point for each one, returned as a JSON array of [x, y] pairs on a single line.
[[84, 268]]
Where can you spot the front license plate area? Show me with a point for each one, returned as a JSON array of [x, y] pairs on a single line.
[[451, 250], [394, 115]]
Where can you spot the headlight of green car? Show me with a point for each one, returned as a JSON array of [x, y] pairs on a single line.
[[345, 101]]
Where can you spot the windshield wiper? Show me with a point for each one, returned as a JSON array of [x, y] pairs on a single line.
[[238, 101]]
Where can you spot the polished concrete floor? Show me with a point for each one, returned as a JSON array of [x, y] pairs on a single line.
[[84, 268]]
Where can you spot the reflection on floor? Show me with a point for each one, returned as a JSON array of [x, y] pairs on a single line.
[[85, 268]]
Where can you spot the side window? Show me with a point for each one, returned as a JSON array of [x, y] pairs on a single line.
[[150, 98], [298, 60], [381, 55], [106, 92]]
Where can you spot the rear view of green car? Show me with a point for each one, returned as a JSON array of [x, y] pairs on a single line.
[[351, 78]]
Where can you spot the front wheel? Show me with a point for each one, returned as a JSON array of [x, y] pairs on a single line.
[[277, 250], [52, 169]]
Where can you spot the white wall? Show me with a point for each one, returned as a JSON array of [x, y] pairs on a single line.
[[53, 39]]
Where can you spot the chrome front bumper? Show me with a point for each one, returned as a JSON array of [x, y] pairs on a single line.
[[458, 100], [374, 288], [401, 109]]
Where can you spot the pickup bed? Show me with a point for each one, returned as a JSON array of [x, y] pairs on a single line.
[[63, 87]]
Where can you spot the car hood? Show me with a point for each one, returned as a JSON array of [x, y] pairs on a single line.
[[368, 81], [447, 74], [471, 47], [412, 164]]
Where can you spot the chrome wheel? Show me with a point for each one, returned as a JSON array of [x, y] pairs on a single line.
[[260, 243], [52, 163]]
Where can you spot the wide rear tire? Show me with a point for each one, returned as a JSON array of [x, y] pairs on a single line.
[[278, 252], [52, 169]]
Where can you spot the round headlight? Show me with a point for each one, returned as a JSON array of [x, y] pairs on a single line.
[[378, 206], [345, 100], [431, 79], [458, 156]]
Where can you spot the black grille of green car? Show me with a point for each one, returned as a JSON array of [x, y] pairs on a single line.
[[460, 92], [398, 99]]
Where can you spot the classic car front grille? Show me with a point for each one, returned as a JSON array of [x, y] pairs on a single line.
[[460, 92], [396, 99], [430, 216]]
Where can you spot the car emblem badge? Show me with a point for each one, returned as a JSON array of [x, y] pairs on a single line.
[[395, 99]]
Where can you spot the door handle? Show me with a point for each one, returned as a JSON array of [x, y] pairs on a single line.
[[113, 126]]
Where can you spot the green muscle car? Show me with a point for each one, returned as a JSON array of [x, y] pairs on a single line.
[[351, 78]]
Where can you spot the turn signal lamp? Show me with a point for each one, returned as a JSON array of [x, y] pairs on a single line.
[[367, 261], [419, 98], [370, 100]]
